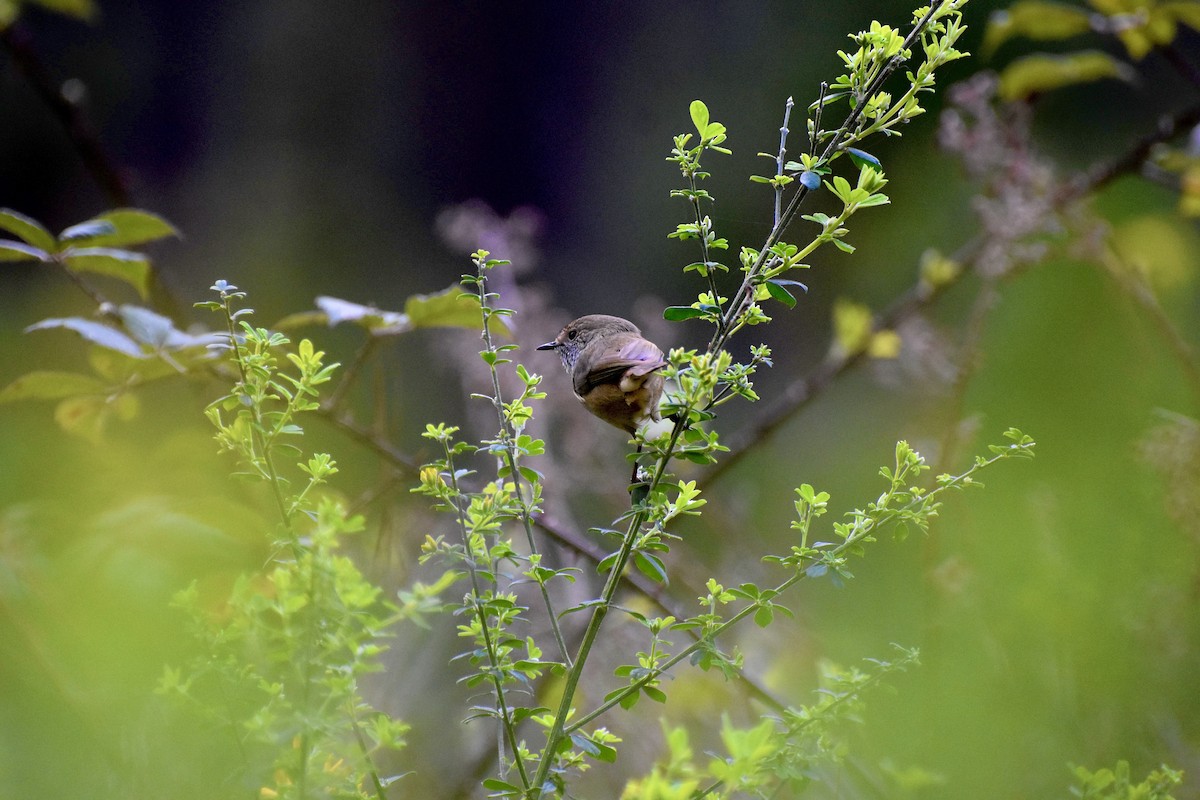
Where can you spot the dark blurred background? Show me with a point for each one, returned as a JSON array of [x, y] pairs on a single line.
[[309, 149]]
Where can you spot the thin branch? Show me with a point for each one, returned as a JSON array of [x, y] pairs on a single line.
[[781, 159], [69, 115], [915, 299], [1100, 175], [744, 292]]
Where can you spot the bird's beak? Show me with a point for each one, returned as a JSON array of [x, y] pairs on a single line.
[[547, 346]]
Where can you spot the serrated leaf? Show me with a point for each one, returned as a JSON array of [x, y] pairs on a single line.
[[19, 251], [133, 268], [50, 385], [95, 332], [1040, 72], [133, 226], [27, 230]]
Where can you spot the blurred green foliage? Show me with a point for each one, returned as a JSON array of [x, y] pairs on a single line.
[[1056, 612]]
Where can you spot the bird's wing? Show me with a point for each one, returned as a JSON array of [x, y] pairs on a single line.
[[636, 357]]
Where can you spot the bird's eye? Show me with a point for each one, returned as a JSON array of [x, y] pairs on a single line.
[[572, 334]]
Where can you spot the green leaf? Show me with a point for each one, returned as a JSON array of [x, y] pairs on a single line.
[[781, 294], [1039, 72], [91, 229], [763, 615], [95, 332], [1034, 19], [49, 385], [133, 268], [27, 230], [497, 785], [445, 309], [874, 200], [699, 113], [651, 567], [655, 694], [19, 251], [680, 313], [863, 159], [336, 311], [152, 328], [133, 226]]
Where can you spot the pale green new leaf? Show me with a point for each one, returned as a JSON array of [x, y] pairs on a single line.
[[1042, 73], [126, 265], [27, 230]]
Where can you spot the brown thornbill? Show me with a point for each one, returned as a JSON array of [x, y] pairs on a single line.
[[615, 372]]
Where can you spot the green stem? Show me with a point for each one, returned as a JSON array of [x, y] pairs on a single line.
[[721, 336], [557, 731], [869, 524], [508, 437], [702, 230], [268, 465], [493, 662]]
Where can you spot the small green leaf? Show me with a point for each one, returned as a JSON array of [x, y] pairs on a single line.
[[781, 294], [95, 332], [19, 251], [446, 309], [1034, 19], [680, 313], [49, 385], [699, 113], [27, 230], [651, 567], [655, 694], [91, 229], [133, 268], [133, 226], [863, 159], [763, 615], [1039, 72], [497, 785], [337, 311]]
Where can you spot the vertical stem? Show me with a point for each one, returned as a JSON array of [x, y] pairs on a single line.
[[721, 335], [481, 615], [555, 737], [780, 159], [508, 436]]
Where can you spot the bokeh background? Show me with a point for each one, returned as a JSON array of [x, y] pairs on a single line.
[[304, 150]]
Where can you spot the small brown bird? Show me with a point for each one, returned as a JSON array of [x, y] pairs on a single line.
[[615, 372]]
